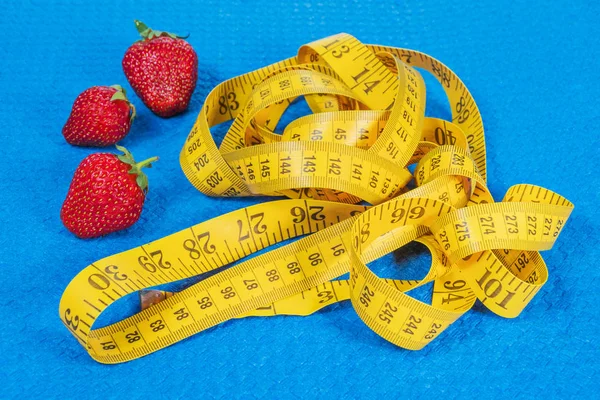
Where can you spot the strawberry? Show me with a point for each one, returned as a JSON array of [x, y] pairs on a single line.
[[101, 116], [162, 68], [106, 194]]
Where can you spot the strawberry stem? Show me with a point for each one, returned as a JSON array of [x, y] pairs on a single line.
[[142, 28], [136, 168], [148, 33], [145, 163]]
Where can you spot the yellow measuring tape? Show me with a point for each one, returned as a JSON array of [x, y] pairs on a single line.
[[368, 126]]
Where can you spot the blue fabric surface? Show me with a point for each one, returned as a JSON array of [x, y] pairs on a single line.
[[533, 70]]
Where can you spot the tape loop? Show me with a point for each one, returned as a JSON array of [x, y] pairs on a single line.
[[368, 127]]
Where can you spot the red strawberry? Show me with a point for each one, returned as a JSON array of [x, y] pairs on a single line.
[[101, 116], [162, 68], [106, 194]]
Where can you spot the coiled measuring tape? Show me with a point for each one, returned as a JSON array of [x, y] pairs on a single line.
[[368, 126]]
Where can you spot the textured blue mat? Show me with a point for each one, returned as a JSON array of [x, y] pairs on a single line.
[[534, 73]]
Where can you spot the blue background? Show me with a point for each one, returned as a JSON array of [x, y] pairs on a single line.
[[533, 70]]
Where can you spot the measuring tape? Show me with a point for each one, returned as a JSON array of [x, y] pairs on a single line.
[[368, 126]]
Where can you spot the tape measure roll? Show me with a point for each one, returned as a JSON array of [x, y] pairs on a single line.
[[368, 126]]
